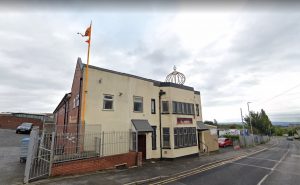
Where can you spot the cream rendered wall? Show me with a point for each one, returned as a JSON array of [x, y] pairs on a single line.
[[210, 140], [123, 88], [170, 120]]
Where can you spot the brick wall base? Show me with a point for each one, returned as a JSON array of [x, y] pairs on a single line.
[[12, 122], [95, 164]]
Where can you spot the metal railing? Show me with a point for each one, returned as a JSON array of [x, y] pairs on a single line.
[[73, 143]]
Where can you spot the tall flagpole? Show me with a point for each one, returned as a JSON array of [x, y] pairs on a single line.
[[86, 77]]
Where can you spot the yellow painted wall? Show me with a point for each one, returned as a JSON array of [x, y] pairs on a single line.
[[210, 140]]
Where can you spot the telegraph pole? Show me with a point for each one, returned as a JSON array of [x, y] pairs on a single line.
[[250, 117], [243, 126]]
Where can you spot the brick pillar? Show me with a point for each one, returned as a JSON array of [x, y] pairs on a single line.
[[139, 159]]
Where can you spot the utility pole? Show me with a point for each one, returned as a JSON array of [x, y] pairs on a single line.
[[250, 117], [243, 126]]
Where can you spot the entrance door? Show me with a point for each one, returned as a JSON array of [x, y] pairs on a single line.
[[142, 145]]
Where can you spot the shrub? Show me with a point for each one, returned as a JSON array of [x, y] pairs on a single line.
[[232, 137]]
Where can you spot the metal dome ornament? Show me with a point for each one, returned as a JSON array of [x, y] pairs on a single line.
[[176, 77]]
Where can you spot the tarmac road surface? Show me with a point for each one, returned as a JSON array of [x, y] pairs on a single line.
[[278, 165]]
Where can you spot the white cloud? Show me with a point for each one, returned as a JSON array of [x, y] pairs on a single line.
[[232, 57]]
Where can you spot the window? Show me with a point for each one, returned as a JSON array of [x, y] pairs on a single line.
[[137, 104], [153, 106], [165, 107], [183, 108], [154, 138], [193, 109], [197, 109], [166, 137], [181, 138], [179, 108], [186, 143], [185, 137], [176, 139], [108, 102], [189, 108], [74, 103], [77, 100], [174, 104]]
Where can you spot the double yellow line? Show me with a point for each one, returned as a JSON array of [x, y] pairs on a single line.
[[203, 168], [196, 171]]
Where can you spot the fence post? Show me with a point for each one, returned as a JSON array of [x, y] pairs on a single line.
[[129, 139], [31, 152], [102, 143], [51, 152]]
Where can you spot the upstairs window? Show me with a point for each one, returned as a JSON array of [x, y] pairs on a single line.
[[153, 111], [183, 108], [165, 107], [108, 102], [137, 104]]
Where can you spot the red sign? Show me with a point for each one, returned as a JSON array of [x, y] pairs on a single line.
[[184, 121]]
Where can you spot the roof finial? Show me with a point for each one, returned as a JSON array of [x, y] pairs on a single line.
[[175, 77]]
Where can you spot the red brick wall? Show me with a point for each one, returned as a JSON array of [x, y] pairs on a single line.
[[75, 90], [12, 122], [95, 164]]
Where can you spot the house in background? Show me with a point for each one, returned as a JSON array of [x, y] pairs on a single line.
[[162, 115], [207, 137]]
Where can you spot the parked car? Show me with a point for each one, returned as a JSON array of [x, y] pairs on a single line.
[[223, 142], [290, 138], [24, 128]]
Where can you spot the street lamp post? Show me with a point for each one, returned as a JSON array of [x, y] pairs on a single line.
[[250, 117]]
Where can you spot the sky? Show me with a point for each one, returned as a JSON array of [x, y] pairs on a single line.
[[232, 53]]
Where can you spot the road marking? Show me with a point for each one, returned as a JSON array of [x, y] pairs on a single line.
[[251, 165], [294, 155], [272, 169], [260, 158], [183, 175]]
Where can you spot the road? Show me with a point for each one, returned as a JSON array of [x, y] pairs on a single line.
[[278, 165]]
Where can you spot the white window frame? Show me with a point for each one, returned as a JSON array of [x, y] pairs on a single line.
[[108, 99], [141, 101]]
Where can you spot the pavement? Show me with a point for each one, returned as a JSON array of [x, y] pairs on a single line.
[[277, 165], [151, 170], [11, 170]]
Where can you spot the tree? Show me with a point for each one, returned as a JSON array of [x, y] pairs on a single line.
[[260, 122], [215, 122], [208, 122]]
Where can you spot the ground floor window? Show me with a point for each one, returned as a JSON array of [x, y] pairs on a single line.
[[154, 138], [166, 137], [185, 137]]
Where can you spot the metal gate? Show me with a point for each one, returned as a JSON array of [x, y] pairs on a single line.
[[39, 156]]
